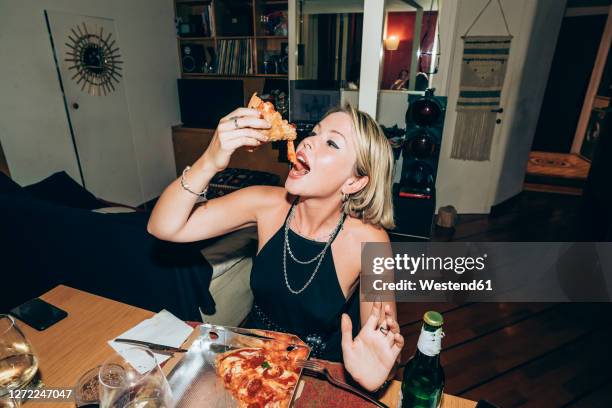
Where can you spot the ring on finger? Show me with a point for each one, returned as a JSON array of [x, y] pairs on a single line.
[[235, 119], [383, 330]]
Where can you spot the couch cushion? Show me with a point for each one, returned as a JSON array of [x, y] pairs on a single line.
[[232, 294], [226, 251]]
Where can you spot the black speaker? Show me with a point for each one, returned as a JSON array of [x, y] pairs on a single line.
[[421, 147], [192, 56], [199, 105], [414, 195], [413, 217]]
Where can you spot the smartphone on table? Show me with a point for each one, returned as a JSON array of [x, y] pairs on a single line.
[[38, 314]]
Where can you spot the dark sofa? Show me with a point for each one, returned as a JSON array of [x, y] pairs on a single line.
[[49, 235]]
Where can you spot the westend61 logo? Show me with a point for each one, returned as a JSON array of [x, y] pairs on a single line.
[[414, 264], [459, 272]]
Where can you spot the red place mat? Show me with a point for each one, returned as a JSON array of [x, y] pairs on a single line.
[[320, 393]]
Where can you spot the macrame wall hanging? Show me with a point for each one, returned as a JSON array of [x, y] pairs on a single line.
[[483, 70]]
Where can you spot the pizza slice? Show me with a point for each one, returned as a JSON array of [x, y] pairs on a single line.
[[262, 377], [280, 129]]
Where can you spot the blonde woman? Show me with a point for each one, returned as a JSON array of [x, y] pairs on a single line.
[[306, 271]]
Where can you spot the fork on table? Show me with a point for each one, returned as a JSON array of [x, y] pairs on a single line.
[[319, 368]]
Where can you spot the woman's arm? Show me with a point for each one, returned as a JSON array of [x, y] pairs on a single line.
[[373, 355], [174, 219]]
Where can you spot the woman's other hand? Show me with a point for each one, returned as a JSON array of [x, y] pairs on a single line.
[[239, 128], [371, 355]]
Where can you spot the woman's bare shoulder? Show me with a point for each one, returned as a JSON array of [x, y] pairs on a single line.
[[266, 192], [354, 233], [266, 198], [364, 232]]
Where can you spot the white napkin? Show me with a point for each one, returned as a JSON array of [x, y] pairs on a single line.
[[163, 328]]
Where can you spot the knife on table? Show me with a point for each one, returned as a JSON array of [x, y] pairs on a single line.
[[250, 333], [152, 346]]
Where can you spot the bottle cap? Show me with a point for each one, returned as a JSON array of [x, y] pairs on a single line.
[[433, 318]]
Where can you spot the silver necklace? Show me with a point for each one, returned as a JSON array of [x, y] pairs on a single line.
[[319, 256]]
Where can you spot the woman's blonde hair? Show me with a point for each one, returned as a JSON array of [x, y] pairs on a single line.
[[373, 204]]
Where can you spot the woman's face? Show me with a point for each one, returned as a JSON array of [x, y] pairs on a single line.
[[328, 155]]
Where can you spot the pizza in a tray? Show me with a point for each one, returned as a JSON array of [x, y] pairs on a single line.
[[280, 129], [261, 377]]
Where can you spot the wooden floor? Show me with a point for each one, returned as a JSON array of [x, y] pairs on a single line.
[[528, 217], [522, 354]]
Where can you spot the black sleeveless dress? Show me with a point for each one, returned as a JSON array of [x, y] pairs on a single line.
[[314, 314]]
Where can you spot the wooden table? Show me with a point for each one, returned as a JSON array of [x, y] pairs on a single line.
[[79, 342]]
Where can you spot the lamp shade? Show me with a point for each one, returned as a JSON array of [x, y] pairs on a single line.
[[391, 43]]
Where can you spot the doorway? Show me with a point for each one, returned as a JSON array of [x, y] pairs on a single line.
[[89, 61], [559, 162]]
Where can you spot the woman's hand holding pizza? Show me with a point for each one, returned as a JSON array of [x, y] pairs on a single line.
[[239, 128], [371, 355]]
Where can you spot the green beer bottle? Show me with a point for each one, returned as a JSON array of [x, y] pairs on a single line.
[[423, 380]]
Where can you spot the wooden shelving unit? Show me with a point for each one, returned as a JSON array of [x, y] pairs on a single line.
[[228, 20], [202, 74], [247, 21]]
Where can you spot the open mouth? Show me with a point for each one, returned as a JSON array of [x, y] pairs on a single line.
[[301, 167]]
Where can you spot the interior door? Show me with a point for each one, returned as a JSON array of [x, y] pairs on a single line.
[[89, 58], [570, 72]]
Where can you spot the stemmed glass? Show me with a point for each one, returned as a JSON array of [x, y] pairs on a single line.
[[18, 362], [133, 379]]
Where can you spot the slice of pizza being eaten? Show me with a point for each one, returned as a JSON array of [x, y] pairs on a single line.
[[280, 129]]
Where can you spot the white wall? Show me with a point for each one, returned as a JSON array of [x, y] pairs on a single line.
[[33, 126], [371, 55], [473, 187]]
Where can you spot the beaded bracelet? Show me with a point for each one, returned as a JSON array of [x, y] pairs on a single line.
[[186, 186]]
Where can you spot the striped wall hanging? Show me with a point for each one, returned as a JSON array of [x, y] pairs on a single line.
[[483, 70]]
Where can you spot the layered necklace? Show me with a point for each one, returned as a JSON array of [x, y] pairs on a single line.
[[319, 257]]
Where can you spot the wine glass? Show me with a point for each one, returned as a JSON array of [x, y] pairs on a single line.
[[18, 363], [8, 402], [133, 379]]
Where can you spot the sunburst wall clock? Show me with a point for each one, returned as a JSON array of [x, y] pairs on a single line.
[[96, 62]]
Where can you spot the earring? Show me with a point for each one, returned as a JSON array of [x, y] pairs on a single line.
[[345, 197]]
